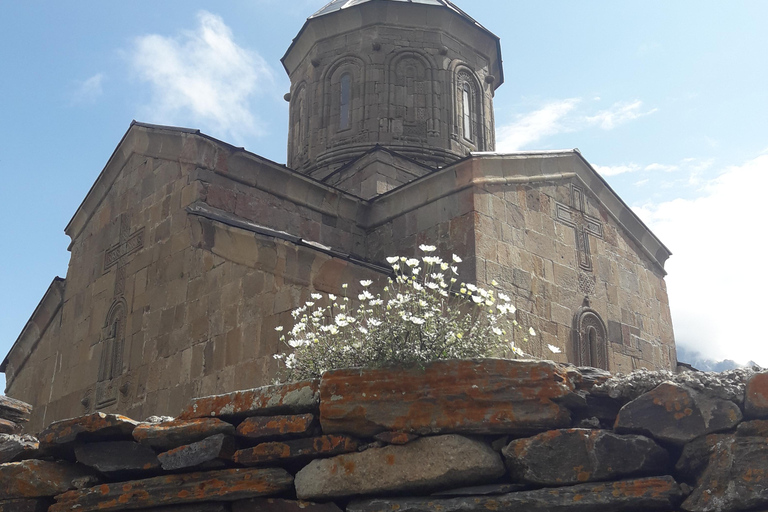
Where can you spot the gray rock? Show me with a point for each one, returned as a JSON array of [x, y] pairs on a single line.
[[117, 457], [735, 477], [647, 495], [677, 414], [695, 457], [278, 505], [574, 456], [14, 448], [34, 505], [425, 465], [214, 448]]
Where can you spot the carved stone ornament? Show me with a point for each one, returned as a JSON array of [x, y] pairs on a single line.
[[590, 338]]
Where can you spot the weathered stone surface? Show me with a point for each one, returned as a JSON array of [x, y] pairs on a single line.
[[36, 478], [34, 505], [117, 457], [756, 396], [425, 465], [172, 434], [660, 494], [9, 427], [14, 448], [323, 446], [736, 477], [395, 437], [564, 457], [265, 427], [482, 490], [278, 505], [291, 398], [677, 414], [197, 507], [754, 428], [489, 396], [218, 447], [97, 425], [225, 485], [695, 457], [14, 410]]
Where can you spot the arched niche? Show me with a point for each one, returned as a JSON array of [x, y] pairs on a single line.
[[299, 125], [113, 342], [343, 97], [590, 339], [413, 104], [468, 108]]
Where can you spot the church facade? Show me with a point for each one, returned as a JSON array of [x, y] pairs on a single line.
[[187, 252]]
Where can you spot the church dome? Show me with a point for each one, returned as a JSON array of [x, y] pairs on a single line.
[[414, 76]]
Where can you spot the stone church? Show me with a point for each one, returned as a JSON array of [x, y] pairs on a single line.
[[187, 252]]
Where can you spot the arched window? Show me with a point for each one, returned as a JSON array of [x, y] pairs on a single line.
[[590, 339], [467, 111], [345, 99], [468, 108]]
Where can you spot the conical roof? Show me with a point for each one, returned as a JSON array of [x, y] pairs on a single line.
[[337, 5]]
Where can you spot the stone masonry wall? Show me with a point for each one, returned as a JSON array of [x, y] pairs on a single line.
[[467, 436]]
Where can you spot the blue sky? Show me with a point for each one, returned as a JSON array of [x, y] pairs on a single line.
[[666, 99]]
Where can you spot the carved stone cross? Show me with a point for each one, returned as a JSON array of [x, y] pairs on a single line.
[[583, 225], [113, 333]]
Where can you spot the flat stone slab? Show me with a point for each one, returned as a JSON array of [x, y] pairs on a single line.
[[677, 414], [114, 458], [9, 427], [14, 448], [224, 485], [172, 434], [399, 438], [290, 398], [278, 505], [426, 465], [37, 478], [754, 428], [97, 425], [14, 410], [649, 495], [735, 478], [485, 396], [574, 456], [197, 507], [35, 505], [265, 427], [215, 448], [756, 396], [284, 451]]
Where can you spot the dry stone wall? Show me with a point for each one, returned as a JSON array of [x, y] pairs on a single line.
[[463, 436]]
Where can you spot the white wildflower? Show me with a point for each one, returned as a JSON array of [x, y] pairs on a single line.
[[366, 283], [279, 328], [456, 259], [332, 297], [316, 296], [392, 260], [531, 331], [554, 349], [366, 295], [428, 248]]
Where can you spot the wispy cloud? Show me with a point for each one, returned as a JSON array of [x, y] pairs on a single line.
[[564, 116], [534, 126], [690, 168], [716, 283], [203, 77], [619, 113], [89, 90], [615, 170]]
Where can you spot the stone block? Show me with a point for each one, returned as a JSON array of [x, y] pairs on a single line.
[[676, 414], [278, 505], [219, 447], [14, 410], [94, 426], [14, 448], [37, 479], [574, 456], [265, 427], [425, 465], [472, 396], [292, 398], [298, 449], [116, 458], [33, 505], [398, 438], [649, 495], [756, 396], [225, 485], [9, 427]]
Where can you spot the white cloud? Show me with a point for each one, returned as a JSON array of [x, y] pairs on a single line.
[[618, 114], [89, 90], [615, 170], [204, 77], [563, 116], [534, 126], [661, 167], [717, 279]]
